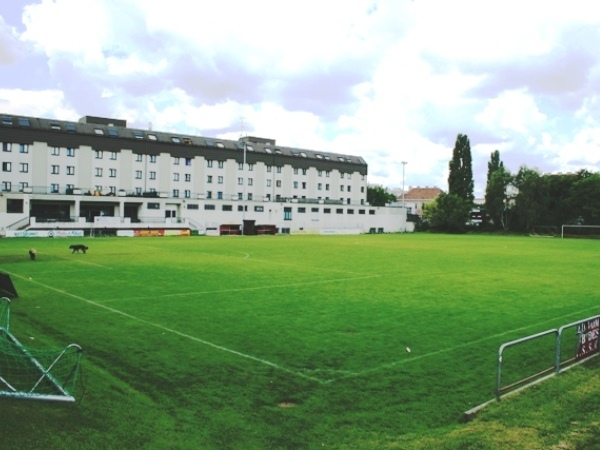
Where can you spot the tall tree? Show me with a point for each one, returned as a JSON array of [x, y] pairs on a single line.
[[379, 196], [498, 179], [448, 213], [460, 178]]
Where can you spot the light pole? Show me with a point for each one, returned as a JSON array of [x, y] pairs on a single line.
[[244, 180], [403, 197]]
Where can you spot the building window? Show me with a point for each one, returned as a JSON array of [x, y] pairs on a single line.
[[6, 186], [249, 195], [350, 211], [153, 205], [6, 167], [287, 213], [70, 170], [209, 207], [187, 193], [70, 152], [98, 171], [278, 169], [342, 188], [138, 174], [268, 183], [227, 208], [24, 167], [240, 181], [319, 186], [188, 177], [259, 208], [153, 175], [55, 170], [138, 191], [138, 158], [339, 211], [54, 188], [209, 179], [99, 154], [326, 187], [153, 159], [175, 192], [241, 166], [208, 194], [220, 180], [269, 169], [6, 146], [302, 210], [278, 183], [295, 171], [188, 161], [175, 177], [250, 181], [295, 185], [23, 185], [303, 171], [176, 160], [209, 163], [220, 164], [327, 210], [304, 185], [112, 173], [250, 167], [219, 195], [192, 206], [23, 148], [327, 174], [113, 155], [55, 151]]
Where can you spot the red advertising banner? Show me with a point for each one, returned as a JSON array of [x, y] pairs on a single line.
[[588, 333]]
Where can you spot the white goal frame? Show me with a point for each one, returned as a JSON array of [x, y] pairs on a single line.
[[562, 231]]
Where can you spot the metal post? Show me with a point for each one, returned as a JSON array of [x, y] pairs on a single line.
[[403, 198]]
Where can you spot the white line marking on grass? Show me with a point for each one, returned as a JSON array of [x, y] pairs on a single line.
[[459, 346], [179, 333], [255, 288]]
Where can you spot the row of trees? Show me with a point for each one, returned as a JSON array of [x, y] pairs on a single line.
[[516, 202]]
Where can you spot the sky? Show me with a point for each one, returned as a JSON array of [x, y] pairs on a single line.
[[391, 81]]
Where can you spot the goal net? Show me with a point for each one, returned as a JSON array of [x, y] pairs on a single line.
[[581, 231], [35, 374]]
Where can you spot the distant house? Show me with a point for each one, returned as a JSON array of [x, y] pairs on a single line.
[[416, 197]]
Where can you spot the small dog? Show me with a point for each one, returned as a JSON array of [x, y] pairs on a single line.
[[77, 247]]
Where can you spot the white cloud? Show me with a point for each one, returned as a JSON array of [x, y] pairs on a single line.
[[43, 103], [74, 27], [512, 111]]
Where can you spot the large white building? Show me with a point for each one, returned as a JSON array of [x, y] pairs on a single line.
[[99, 174]]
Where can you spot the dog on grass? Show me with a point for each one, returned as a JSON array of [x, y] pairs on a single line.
[[77, 247]]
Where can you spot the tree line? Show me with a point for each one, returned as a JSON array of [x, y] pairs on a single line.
[[513, 202]]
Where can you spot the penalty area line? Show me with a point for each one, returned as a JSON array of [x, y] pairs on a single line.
[[179, 333]]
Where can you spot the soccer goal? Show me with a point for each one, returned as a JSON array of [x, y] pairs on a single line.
[[581, 231], [35, 374]]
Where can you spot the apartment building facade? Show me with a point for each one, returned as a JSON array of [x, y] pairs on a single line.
[[98, 172]]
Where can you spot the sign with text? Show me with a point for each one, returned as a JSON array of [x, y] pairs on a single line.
[[588, 332]]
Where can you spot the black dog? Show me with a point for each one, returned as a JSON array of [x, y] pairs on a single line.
[[77, 247]]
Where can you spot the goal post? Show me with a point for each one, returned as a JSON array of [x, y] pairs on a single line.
[[580, 231], [27, 373]]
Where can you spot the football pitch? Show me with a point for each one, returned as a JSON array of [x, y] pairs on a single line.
[[281, 341]]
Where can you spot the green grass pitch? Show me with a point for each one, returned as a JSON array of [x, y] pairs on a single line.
[[282, 341]]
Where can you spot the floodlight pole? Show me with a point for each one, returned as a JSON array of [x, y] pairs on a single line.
[[244, 183], [403, 197]]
